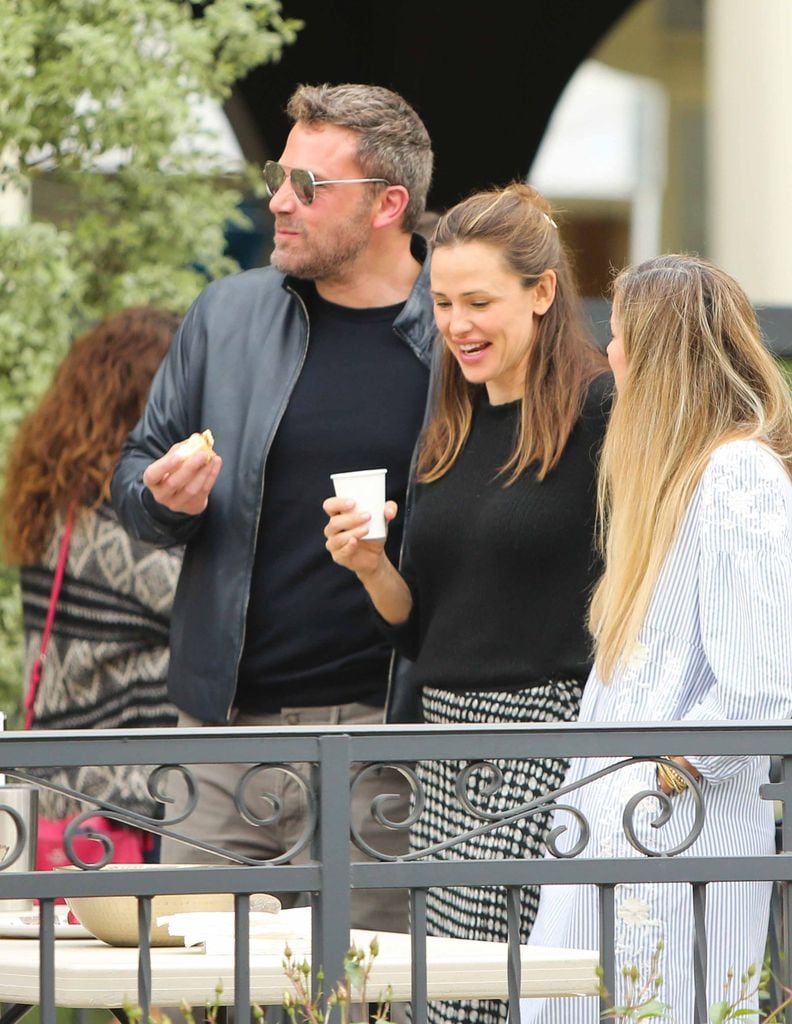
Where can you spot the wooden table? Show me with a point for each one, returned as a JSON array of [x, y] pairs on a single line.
[[90, 974]]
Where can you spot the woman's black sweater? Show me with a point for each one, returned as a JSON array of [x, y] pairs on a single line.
[[501, 576]]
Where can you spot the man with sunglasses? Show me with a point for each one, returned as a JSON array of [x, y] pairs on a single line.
[[315, 365]]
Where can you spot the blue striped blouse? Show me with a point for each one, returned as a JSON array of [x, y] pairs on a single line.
[[716, 645]]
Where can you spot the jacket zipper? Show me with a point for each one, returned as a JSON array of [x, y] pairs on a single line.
[[261, 489]]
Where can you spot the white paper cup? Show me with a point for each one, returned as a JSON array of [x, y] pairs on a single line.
[[18, 831], [366, 487]]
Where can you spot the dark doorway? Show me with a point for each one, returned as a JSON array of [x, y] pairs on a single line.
[[484, 79]]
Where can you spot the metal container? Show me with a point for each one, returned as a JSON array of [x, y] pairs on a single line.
[[18, 833]]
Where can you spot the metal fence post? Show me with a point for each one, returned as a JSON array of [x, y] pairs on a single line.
[[607, 940], [419, 978], [47, 961], [332, 913], [780, 789], [514, 963], [700, 950], [241, 957], [144, 955]]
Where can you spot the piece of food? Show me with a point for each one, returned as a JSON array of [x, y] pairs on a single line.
[[197, 444]]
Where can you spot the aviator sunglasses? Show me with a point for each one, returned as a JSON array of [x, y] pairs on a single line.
[[303, 183]]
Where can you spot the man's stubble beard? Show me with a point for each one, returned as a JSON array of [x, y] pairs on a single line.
[[342, 250]]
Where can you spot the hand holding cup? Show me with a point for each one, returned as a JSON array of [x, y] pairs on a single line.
[[366, 487], [347, 534]]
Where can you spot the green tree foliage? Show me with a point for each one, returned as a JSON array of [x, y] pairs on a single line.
[[96, 95]]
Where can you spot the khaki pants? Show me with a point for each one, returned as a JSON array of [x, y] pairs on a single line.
[[216, 819]]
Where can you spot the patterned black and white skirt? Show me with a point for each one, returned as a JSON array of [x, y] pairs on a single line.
[[480, 912]]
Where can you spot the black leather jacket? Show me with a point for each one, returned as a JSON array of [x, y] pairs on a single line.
[[232, 367]]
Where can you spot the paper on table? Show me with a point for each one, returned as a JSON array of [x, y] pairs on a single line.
[[215, 931], [20, 925]]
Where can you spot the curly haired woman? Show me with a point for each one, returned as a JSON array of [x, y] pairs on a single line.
[[107, 658]]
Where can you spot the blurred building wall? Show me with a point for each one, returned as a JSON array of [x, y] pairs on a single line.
[[663, 41], [749, 77], [726, 68]]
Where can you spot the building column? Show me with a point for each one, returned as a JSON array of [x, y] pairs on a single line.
[[749, 78]]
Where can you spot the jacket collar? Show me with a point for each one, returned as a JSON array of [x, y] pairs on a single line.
[[415, 324]]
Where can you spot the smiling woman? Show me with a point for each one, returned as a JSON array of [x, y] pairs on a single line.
[[507, 306], [487, 315], [490, 604]]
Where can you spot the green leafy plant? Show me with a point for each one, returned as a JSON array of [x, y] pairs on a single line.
[[211, 1013], [302, 1006], [642, 1002], [98, 105]]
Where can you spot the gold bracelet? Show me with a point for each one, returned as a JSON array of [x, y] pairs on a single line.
[[673, 779]]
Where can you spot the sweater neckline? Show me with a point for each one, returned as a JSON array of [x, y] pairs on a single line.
[[501, 409]]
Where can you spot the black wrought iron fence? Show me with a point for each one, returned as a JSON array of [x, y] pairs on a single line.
[[331, 756]]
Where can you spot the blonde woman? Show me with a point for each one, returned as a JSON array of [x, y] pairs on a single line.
[[692, 619]]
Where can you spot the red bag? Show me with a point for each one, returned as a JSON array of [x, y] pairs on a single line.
[[129, 844]]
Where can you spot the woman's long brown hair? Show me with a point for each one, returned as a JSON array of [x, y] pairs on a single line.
[[517, 223], [67, 447]]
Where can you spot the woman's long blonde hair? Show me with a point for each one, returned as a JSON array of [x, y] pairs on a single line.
[[697, 374], [516, 221]]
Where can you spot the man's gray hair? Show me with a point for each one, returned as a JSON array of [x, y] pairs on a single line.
[[394, 143]]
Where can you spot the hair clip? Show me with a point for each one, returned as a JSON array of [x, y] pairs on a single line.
[[549, 219]]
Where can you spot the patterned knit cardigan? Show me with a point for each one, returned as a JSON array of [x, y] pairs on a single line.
[[107, 660]]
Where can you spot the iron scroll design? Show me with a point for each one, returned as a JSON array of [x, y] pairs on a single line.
[[247, 795], [380, 803], [258, 802], [540, 806], [9, 853]]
